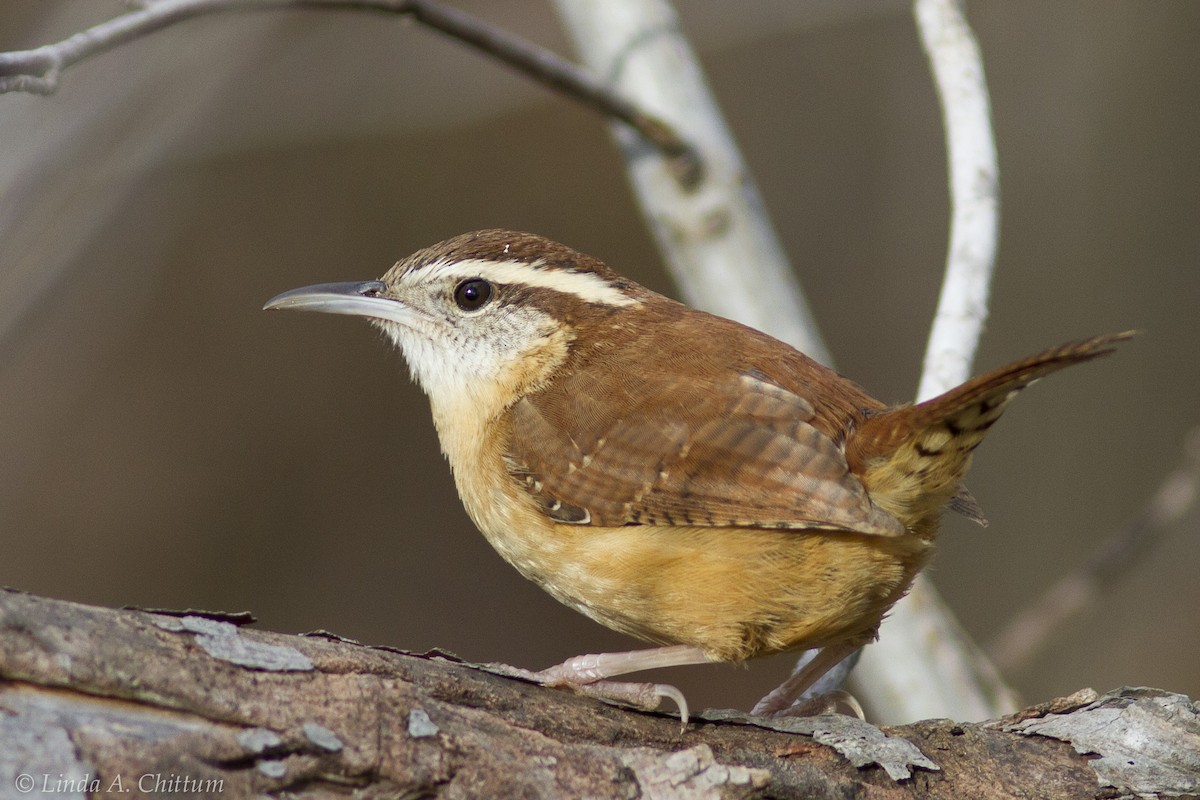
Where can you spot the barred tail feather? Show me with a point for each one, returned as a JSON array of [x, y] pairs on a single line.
[[913, 458]]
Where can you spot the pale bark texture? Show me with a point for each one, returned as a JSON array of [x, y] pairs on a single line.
[[135, 703]]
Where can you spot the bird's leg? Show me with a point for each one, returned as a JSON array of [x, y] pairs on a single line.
[[781, 702], [588, 675]]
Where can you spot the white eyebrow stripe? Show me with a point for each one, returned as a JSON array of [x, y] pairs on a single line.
[[586, 286]]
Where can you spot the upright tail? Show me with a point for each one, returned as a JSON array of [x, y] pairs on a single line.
[[912, 458]]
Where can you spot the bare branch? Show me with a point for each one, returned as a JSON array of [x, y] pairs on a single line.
[[953, 677], [38, 70], [1032, 628], [717, 240], [557, 73], [974, 194]]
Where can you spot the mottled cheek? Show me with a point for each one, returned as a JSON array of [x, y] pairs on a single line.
[[534, 367]]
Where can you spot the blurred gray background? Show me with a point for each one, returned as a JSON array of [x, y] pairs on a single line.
[[165, 443]]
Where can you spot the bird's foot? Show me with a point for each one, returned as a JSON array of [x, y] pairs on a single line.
[[814, 706], [588, 675], [642, 696], [789, 700]]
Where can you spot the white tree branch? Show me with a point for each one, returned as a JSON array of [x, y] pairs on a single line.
[[715, 236], [924, 665], [974, 194]]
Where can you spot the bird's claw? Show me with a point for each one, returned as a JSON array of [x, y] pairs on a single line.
[[815, 706], [642, 696]]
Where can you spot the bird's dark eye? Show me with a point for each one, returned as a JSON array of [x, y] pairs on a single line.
[[473, 294]]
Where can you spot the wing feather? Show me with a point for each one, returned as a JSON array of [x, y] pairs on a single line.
[[741, 452]]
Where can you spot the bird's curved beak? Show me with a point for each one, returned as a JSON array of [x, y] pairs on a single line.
[[356, 298]]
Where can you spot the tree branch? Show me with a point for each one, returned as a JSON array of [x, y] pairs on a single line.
[[117, 702], [948, 674], [716, 240], [39, 70], [962, 308]]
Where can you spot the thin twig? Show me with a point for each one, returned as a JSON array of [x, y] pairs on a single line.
[[38, 70], [1031, 629], [946, 675], [556, 72]]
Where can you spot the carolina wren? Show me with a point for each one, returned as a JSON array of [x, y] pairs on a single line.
[[669, 473]]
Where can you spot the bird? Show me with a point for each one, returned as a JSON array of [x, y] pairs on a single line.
[[669, 473]]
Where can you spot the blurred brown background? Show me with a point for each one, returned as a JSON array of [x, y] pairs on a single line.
[[165, 443]]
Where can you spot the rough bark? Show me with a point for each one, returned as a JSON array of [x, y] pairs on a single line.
[[137, 703]]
